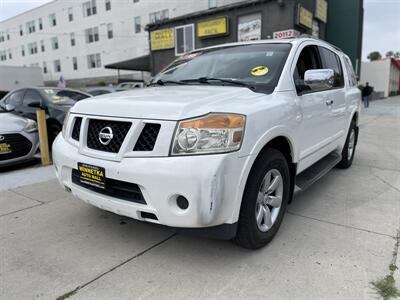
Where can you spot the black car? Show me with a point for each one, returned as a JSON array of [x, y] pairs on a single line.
[[55, 101]]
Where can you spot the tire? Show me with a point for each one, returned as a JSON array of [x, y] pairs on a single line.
[[251, 234], [349, 148], [52, 131]]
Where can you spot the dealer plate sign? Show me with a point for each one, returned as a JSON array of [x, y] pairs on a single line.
[[92, 175]]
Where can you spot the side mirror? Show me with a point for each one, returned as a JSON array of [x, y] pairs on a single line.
[[9, 107], [35, 104], [319, 79]]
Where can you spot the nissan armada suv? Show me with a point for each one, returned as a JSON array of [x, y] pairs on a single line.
[[220, 141]]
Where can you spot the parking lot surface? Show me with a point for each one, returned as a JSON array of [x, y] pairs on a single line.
[[337, 237]]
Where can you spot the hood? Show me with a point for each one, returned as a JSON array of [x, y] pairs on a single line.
[[169, 102], [11, 123]]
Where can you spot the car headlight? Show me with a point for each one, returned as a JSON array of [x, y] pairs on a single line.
[[31, 126], [65, 124], [213, 133]]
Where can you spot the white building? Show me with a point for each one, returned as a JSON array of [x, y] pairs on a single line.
[[383, 75], [77, 38]]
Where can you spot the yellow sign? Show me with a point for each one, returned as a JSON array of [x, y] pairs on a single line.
[[305, 17], [213, 27], [162, 39], [321, 10], [259, 71]]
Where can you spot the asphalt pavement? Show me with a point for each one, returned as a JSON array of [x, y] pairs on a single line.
[[337, 237]]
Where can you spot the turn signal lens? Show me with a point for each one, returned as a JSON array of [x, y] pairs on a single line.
[[214, 133]]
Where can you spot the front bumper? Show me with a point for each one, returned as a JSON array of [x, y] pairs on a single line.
[[209, 182], [33, 139]]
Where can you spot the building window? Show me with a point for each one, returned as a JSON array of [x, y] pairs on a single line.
[[135, 1], [21, 31], [184, 39], [212, 3], [94, 61], [57, 66], [30, 27], [72, 36], [70, 14], [32, 48], [54, 43], [138, 25], [3, 55], [52, 20], [1, 37], [44, 67], [89, 8], [159, 15], [108, 4], [40, 21], [9, 54], [42, 46], [110, 31], [22, 50], [92, 35], [75, 63]]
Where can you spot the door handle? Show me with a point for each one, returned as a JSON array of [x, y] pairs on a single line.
[[329, 102]]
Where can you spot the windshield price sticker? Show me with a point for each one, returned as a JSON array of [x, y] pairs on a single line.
[[259, 71], [5, 148], [92, 175]]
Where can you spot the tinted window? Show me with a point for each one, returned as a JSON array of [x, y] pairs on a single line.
[[72, 95], [309, 59], [331, 61], [350, 72], [99, 92], [15, 98], [31, 96]]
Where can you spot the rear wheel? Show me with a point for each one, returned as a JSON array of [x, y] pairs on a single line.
[[264, 201], [349, 148]]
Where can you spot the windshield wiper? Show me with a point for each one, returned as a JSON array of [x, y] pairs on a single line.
[[163, 82], [231, 81]]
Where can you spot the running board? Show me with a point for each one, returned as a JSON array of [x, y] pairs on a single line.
[[309, 176]]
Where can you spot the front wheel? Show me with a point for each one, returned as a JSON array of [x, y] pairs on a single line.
[[264, 201]]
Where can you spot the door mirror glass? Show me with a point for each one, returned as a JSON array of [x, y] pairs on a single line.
[[319, 79], [35, 104], [9, 107]]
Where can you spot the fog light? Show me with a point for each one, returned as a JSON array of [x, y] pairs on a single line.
[[182, 202]]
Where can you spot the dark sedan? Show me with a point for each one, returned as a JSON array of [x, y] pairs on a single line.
[[56, 102]]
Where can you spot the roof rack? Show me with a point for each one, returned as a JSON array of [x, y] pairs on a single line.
[[304, 35]]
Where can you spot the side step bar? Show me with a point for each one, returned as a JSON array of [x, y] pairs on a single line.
[[309, 176]]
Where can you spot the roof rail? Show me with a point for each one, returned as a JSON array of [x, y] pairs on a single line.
[[304, 35]]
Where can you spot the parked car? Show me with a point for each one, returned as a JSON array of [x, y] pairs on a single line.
[[100, 90], [123, 86], [220, 141], [19, 141], [24, 102]]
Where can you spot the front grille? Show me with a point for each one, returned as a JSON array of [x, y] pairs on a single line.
[[119, 130], [18, 145], [76, 130], [147, 138], [114, 188]]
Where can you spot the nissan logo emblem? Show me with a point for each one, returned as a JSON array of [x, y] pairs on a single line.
[[2, 138], [106, 135]]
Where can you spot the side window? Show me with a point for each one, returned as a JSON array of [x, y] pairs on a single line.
[[15, 98], [31, 96], [309, 59], [350, 72], [331, 61]]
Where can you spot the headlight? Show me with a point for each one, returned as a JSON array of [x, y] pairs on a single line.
[[31, 126], [64, 128], [214, 133]]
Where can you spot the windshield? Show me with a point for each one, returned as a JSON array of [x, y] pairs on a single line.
[[58, 97], [257, 65]]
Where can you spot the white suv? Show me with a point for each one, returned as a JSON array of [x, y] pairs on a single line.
[[219, 142]]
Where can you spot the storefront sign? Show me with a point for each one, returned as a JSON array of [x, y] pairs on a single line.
[[212, 28], [162, 39], [321, 10], [284, 34], [304, 17], [249, 27]]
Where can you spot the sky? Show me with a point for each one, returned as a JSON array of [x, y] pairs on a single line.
[[381, 22]]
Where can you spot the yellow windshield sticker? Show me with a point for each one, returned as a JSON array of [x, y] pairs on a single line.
[[5, 148], [259, 71]]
